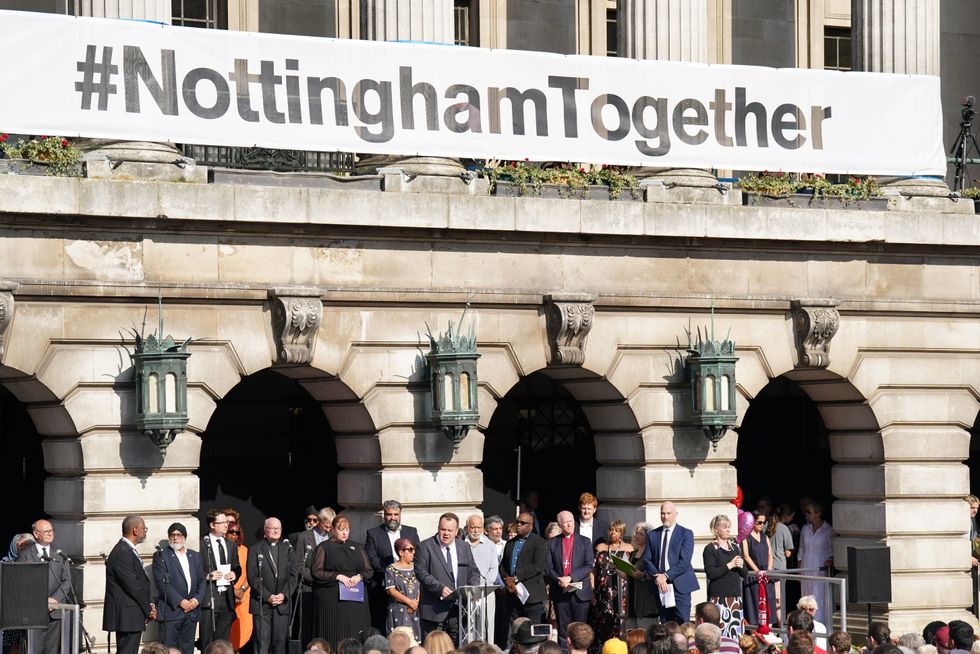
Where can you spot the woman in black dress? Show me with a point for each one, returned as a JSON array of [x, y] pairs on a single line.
[[339, 562], [725, 571], [757, 552]]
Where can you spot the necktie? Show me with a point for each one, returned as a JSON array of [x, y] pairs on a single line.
[[449, 564], [45, 556], [222, 557], [663, 551]]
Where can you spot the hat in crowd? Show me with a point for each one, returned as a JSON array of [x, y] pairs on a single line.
[[523, 635], [177, 527], [614, 646], [311, 510], [941, 639]]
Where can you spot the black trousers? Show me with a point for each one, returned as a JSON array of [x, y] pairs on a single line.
[[534, 612], [223, 619], [128, 642], [271, 631], [450, 624], [48, 639], [569, 610], [179, 633]]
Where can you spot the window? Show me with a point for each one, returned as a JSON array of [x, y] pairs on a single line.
[[612, 27], [210, 14], [466, 15], [837, 48]]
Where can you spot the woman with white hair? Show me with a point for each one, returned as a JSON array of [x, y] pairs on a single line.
[[809, 604]]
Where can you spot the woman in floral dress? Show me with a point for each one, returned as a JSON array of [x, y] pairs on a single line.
[[403, 589], [610, 608]]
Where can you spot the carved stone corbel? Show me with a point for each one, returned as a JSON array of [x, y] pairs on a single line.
[[296, 314], [815, 321], [6, 309], [569, 320]]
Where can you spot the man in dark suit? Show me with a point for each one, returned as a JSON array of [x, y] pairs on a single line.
[[273, 579], [523, 566], [379, 546], [442, 564], [179, 579], [59, 585], [589, 524], [221, 569], [306, 543], [570, 563], [127, 606], [667, 558]]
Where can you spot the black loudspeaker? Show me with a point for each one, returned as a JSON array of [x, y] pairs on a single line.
[[23, 595], [869, 575]]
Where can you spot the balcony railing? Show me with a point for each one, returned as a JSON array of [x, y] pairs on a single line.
[[255, 158]]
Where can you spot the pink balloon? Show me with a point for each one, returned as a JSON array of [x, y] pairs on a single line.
[[745, 523]]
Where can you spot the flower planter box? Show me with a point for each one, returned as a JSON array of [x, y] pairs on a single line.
[[28, 167], [810, 201], [512, 190]]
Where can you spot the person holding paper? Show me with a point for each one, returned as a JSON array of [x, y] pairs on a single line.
[[523, 568], [340, 568], [609, 611], [667, 558], [442, 565], [272, 576], [569, 571], [221, 568]]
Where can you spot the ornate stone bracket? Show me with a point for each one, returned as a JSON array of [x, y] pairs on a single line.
[[815, 321], [6, 309], [296, 314], [569, 319]]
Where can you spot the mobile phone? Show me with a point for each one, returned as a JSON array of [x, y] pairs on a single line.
[[541, 630]]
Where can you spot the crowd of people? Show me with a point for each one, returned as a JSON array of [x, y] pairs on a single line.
[[580, 578]]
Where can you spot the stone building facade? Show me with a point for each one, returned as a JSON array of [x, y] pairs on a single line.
[[872, 315]]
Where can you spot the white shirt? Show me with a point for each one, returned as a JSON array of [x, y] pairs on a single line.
[[217, 554], [666, 547], [185, 565], [585, 528], [318, 537], [486, 558], [816, 547], [392, 537], [41, 548]]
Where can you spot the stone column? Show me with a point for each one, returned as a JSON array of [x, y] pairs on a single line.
[[669, 30], [135, 159], [900, 36], [409, 20]]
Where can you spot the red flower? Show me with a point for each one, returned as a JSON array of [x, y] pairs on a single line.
[[43, 137], [581, 170], [64, 143], [4, 137], [604, 166], [526, 159]]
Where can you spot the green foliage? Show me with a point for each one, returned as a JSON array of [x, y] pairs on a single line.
[[57, 153], [973, 193], [780, 184], [529, 178]]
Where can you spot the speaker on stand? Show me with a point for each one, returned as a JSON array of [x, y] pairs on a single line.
[[869, 576], [24, 595]]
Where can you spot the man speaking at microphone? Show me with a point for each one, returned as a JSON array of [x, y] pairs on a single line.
[[59, 586], [179, 579], [272, 577]]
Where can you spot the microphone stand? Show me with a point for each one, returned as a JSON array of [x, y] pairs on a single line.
[[262, 608], [166, 591], [212, 585], [298, 606], [73, 599], [108, 634]]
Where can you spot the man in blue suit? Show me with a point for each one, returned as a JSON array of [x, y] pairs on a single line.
[[667, 558], [179, 579], [570, 562]]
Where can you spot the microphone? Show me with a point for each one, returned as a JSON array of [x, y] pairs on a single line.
[[309, 547], [288, 544], [104, 557], [261, 557], [159, 550], [61, 554]]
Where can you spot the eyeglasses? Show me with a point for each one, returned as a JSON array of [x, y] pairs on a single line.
[[760, 522], [408, 549], [176, 534], [312, 520], [234, 532], [524, 522]]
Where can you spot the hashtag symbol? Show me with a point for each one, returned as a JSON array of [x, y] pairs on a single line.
[[89, 69]]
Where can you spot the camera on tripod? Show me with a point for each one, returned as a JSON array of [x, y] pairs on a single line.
[[968, 110], [966, 143]]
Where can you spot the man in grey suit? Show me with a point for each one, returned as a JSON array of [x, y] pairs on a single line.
[[59, 585], [443, 564]]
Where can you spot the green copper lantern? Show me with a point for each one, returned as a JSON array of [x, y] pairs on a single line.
[[452, 378], [710, 367], [160, 372]]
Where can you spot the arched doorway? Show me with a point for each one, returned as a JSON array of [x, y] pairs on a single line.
[[268, 451], [784, 449], [22, 471], [974, 461]]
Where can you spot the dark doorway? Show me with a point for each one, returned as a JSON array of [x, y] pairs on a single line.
[[21, 467], [268, 451], [974, 461], [557, 451], [784, 449]]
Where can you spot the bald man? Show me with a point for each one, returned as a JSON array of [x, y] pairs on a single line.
[[667, 558], [569, 572], [59, 586], [272, 576]]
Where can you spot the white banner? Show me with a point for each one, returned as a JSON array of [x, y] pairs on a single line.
[[140, 81]]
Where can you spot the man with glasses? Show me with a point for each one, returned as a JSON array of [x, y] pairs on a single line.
[[221, 569], [306, 544], [522, 569], [127, 606], [179, 579], [272, 577], [59, 585], [380, 548]]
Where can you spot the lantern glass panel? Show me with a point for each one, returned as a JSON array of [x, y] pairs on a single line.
[[170, 393], [450, 397], [724, 392], [152, 390], [709, 393], [464, 392], [697, 392]]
